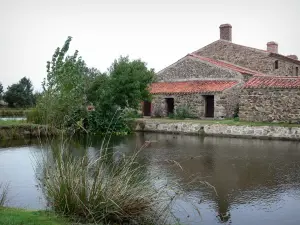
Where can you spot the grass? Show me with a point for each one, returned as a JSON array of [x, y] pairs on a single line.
[[12, 122], [12, 112], [225, 122], [101, 189], [13, 216]]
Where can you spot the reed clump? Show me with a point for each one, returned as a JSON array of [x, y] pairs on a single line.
[[103, 189], [3, 194]]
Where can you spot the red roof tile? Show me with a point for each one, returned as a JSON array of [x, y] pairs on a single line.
[[226, 65], [273, 82], [196, 86]]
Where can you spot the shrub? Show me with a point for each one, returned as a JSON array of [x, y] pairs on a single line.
[[182, 112], [132, 113], [34, 116]]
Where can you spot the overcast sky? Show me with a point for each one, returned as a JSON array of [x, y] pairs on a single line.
[[157, 31]]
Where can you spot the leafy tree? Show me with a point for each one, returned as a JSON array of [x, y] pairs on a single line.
[[20, 94], [129, 81], [1, 90], [78, 97], [63, 87]]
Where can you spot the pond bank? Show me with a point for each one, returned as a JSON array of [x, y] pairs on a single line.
[[14, 216], [24, 130], [215, 128]]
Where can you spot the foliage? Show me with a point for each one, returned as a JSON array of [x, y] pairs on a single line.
[[1, 90], [3, 194], [33, 116], [102, 189], [20, 94], [71, 89], [129, 81], [64, 88], [6, 112], [182, 112]]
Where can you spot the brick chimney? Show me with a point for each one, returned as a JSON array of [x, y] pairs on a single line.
[[226, 32], [272, 46], [292, 57]]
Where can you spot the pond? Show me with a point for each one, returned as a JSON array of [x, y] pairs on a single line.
[[253, 181]]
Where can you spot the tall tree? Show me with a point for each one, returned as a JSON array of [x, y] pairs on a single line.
[[20, 94]]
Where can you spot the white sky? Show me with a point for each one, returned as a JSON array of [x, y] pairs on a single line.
[[157, 31]]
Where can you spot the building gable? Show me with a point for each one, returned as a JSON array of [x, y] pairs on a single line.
[[255, 59], [193, 68]]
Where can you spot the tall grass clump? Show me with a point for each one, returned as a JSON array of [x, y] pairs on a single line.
[[3, 194], [102, 189]]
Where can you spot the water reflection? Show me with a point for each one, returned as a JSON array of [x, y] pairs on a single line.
[[252, 181]]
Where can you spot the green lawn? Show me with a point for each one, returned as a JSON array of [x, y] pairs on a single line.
[[225, 121], [11, 122], [12, 216]]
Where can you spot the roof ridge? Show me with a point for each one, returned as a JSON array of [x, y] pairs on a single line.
[[272, 82], [225, 64], [256, 49], [275, 76]]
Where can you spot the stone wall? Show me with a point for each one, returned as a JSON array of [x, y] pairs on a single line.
[[225, 103], [270, 105], [189, 68], [251, 58], [197, 128], [195, 102]]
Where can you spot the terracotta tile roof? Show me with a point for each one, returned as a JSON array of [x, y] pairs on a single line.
[[196, 86], [223, 64], [273, 82]]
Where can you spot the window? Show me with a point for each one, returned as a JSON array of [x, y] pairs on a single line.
[[297, 71], [276, 64]]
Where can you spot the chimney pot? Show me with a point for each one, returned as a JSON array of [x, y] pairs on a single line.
[[272, 46], [226, 32]]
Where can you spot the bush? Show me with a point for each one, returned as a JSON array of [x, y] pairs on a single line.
[[182, 112], [132, 113], [34, 116]]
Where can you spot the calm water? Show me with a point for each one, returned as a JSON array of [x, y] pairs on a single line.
[[256, 181]]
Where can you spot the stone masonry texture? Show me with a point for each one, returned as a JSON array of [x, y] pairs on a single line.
[[196, 128], [282, 105], [251, 58], [189, 68]]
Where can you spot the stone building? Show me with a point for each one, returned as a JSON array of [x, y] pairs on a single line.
[[214, 80], [271, 99]]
